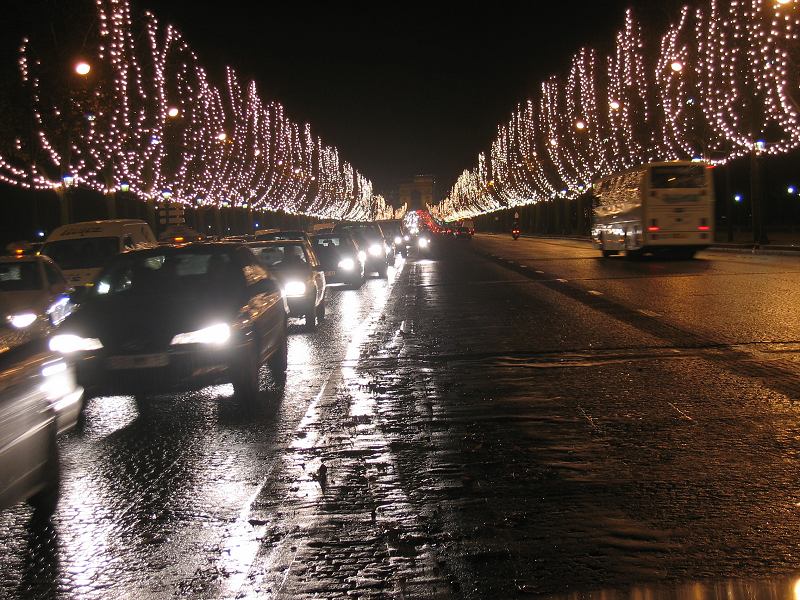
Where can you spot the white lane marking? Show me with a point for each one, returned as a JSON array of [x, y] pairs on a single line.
[[680, 412], [595, 293], [561, 280], [647, 313], [540, 272]]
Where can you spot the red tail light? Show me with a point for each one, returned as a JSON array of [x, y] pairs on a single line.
[[704, 228], [654, 228]]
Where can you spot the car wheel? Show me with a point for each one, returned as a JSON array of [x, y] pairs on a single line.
[[44, 501], [321, 310], [279, 360], [311, 319], [245, 382]]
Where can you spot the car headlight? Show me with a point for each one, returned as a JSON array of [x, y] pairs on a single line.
[[215, 334], [295, 288], [22, 320], [67, 343], [347, 264], [362, 256], [423, 242], [398, 240], [406, 237], [376, 250]]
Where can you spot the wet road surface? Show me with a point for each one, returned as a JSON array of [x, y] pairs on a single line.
[[505, 418]]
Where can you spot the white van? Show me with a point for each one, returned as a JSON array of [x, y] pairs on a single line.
[[81, 249]]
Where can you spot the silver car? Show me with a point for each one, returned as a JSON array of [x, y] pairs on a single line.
[[38, 398]]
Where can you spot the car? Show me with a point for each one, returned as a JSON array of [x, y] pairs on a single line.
[[279, 234], [396, 235], [81, 249], [462, 233], [371, 241], [33, 295], [302, 277], [177, 318], [341, 258], [36, 386]]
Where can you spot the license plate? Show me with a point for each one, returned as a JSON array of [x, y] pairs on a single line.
[[330, 273], [138, 361]]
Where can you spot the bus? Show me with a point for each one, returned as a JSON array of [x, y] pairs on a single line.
[[658, 208]]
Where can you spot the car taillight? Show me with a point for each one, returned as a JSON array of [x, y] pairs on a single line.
[[654, 228], [704, 228]]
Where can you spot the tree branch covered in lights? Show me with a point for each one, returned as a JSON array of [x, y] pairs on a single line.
[[140, 114], [721, 83]]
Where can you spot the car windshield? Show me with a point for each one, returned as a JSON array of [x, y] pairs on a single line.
[[20, 277], [678, 177], [281, 256], [82, 253], [170, 272], [333, 243]]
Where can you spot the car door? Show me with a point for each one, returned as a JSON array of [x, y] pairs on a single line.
[[265, 304], [317, 272]]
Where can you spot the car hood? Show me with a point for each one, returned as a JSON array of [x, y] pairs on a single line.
[[16, 302], [148, 322]]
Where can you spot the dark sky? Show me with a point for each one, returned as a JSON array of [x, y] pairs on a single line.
[[399, 87]]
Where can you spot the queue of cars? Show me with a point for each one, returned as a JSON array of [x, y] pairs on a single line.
[[153, 318]]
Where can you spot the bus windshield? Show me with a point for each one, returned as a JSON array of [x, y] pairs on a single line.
[[678, 176]]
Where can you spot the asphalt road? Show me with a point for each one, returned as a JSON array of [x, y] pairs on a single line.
[[503, 418]]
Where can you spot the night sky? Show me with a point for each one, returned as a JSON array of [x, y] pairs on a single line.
[[399, 88]]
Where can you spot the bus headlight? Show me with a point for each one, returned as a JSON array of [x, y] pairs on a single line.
[[423, 242], [376, 250]]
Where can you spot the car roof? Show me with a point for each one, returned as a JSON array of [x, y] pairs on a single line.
[[260, 243]]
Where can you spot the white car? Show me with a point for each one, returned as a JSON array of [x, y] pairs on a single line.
[[33, 296]]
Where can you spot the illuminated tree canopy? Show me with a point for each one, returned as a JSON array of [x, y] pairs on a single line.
[[142, 116], [722, 82]]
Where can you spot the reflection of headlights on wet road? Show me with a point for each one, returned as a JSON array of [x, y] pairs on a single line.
[[67, 343], [347, 264], [294, 288], [362, 256], [22, 320], [423, 242], [215, 334], [376, 250]]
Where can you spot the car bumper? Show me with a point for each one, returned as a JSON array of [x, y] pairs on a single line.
[[170, 371], [301, 305]]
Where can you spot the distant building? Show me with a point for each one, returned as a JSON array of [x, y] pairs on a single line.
[[417, 193]]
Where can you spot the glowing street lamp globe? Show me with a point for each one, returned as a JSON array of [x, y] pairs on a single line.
[[82, 68]]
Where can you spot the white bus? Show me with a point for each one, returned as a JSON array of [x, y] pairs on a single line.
[[662, 207]]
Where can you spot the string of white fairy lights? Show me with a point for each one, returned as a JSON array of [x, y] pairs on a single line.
[[143, 117], [721, 83]]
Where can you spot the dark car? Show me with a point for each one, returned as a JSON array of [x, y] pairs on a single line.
[[281, 235], [341, 258], [396, 235], [462, 233], [176, 318], [295, 265], [371, 241]]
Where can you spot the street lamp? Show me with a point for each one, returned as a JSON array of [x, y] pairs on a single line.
[[614, 105], [791, 190], [676, 66], [580, 125], [173, 112], [82, 68], [738, 198]]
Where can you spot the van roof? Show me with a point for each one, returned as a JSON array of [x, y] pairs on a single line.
[[93, 228]]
